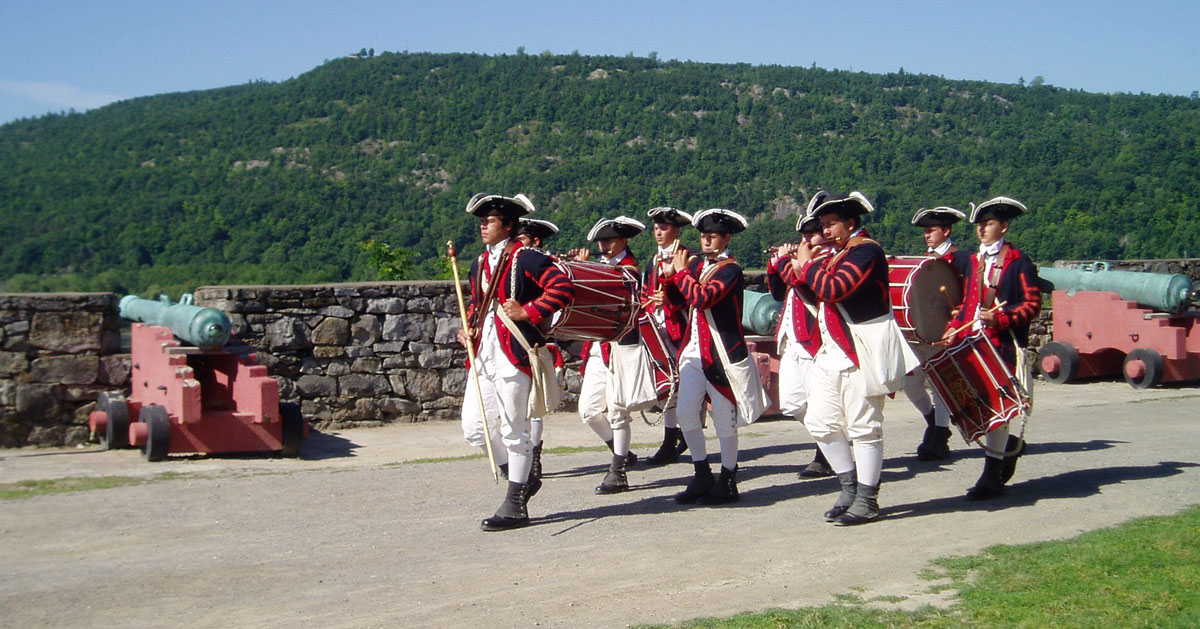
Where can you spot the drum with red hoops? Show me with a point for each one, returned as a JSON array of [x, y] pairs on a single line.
[[662, 355], [978, 388], [605, 307], [924, 290]]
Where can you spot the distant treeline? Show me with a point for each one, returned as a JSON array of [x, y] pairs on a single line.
[[285, 182]]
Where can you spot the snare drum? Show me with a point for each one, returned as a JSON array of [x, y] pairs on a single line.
[[924, 290], [978, 388], [661, 352], [605, 307]]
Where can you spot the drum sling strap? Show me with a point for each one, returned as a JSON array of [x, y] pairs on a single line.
[[486, 302]]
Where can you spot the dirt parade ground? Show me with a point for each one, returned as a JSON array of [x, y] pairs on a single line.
[[379, 527]]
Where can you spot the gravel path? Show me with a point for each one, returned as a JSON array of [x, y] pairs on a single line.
[[353, 536]]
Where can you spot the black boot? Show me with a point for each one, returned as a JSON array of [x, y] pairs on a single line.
[[630, 457], [535, 471], [1017, 445], [849, 484], [667, 452], [681, 446], [989, 484], [503, 470], [865, 508], [819, 467], [701, 482], [614, 481], [725, 489], [512, 513], [935, 445]]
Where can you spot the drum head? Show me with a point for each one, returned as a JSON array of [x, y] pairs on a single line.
[[936, 288]]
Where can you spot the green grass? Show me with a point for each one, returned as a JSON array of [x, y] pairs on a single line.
[[1144, 573], [30, 488]]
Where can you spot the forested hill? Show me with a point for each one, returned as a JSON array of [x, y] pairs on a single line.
[[284, 182]]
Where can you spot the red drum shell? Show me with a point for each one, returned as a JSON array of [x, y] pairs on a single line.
[[605, 307], [662, 354], [924, 290], [978, 388]]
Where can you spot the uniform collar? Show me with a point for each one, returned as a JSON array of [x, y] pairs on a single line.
[[941, 249], [616, 260], [991, 250]]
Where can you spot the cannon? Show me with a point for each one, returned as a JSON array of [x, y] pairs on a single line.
[[1107, 322], [760, 313], [193, 390]]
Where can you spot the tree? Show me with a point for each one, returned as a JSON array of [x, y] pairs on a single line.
[[1037, 81]]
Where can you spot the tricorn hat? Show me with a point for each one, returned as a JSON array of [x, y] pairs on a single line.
[[537, 228], [719, 221], [619, 227], [669, 216], [853, 204], [484, 204], [1000, 208], [805, 222], [940, 216]]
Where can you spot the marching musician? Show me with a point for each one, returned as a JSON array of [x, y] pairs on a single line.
[[608, 417], [797, 337], [525, 285], [667, 224], [533, 232], [862, 356], [937, 224], [711, 285], [1001, 300]]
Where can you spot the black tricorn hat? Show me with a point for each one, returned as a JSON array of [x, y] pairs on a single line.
[[537, 228], [940, 216], [853, 204], [669, 216], [484, 204], [807, 222], [719, 221], [619, 227], [999, 208]]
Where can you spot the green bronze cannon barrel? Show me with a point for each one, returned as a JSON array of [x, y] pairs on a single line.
[[760, 313], [206, 328], [1160, 291]]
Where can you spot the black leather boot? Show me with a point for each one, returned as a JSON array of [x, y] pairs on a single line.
[[701, 482], [512, 513], [630, 457], [865, 508], [849, 484], [725, 489], [615, 480], [667, 452], [535, 471], [1017, 445], [989, 484], [935, 444], [819, 468]]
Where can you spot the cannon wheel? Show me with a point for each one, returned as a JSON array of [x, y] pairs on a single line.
[[293, 429], [1063, 361], [116, 428], [1143, 368], [158, 432]]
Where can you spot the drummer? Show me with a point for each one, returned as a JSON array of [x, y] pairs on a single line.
[[709, 289], [854, 368], [533, 232], [935, 444], [1001, 300], [607, 417], [667, 224], [797, 337]]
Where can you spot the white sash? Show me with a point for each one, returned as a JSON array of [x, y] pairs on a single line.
[[884, 356], [545, 394]]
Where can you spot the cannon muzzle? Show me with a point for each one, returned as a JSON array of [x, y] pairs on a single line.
[[760, 313], [206, 328]]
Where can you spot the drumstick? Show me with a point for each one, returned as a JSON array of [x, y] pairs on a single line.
[[968, 324], [945, 293]]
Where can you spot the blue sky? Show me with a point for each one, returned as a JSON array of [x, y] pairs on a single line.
[[57, 55]]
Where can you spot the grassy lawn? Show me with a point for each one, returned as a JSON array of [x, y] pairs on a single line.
[[1144, 573]]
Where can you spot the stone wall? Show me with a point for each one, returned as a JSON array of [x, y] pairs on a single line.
[[58, 353]]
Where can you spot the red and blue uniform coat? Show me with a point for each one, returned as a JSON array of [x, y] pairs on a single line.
[[855, 277], [804, 328], [541, 288], [674, 320], [721, 294], [1017, 288]]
